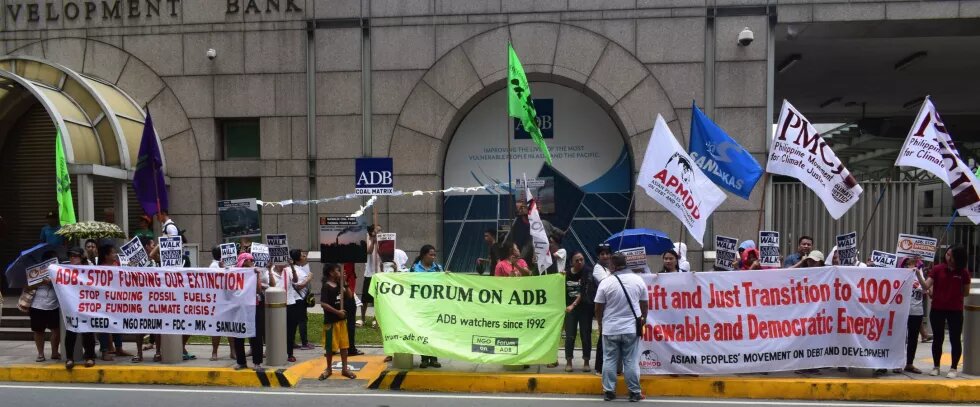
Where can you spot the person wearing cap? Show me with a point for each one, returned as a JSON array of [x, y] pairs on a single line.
[[255, 343], [48, 234]]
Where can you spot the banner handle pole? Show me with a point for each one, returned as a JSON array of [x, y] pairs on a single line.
[[874, 211], [629, 210], [762, 207], [942, 239]]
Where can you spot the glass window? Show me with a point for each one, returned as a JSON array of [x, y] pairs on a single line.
[[240, 188], [240, 138]]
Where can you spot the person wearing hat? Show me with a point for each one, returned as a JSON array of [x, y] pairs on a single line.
[[146, 228], [48, 234], [813, 259]]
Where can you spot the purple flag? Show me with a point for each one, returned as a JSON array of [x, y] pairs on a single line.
[[151, 192]]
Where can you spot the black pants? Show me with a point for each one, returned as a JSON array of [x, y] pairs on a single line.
[[104, 341], [294, 312], [580, 319], [912, 338], [938, 320], [351, 307], [303, 334], [88, 345], [599, 356], [255, 342]]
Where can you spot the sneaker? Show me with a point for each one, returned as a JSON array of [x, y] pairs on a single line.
[[610, 396], [424, 364], [435, 364], [258, 366], [359, 323], [307, 346], [634, 397], [240, 367], [951, 374], [934, 372], [912, 369]]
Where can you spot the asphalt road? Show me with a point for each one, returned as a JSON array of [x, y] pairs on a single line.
[[38, 395]]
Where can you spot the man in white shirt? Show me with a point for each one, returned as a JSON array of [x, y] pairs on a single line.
[[168, 225], [620, 300]]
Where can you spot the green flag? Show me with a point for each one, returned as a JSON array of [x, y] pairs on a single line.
[[66, 208], [519, 101]]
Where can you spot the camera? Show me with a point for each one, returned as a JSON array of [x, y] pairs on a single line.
[[745, 37], [212, 54]]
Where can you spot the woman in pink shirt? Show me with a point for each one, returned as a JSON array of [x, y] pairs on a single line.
[[511, 264]]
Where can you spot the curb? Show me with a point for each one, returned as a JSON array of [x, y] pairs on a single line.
[[949, 391], [188, 376]]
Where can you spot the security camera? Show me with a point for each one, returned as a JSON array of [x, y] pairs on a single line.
[[212, 54], [745, 37]]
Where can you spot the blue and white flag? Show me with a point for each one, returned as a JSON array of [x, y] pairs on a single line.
[[724, 161]]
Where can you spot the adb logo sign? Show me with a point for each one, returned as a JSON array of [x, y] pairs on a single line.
[[373, 176], [545, 109]]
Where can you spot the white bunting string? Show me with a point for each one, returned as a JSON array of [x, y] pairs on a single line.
[[373, 199]]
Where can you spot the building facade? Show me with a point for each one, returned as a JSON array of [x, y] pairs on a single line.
[[274, 99]]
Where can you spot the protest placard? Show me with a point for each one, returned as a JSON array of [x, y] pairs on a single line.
[[278, 248], [229, 254], [769, 249], [373, 176], [636, 257], [509, 321], [847, 249], [133, 254], [38, 272], [260, 254], [386, 247], [343, 240], [239, 218], [171, 251], [726, 252], [127, 300], [776, 320], [883, 259], [912, 245]]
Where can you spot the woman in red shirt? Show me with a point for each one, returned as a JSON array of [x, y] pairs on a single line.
[[948, 283]]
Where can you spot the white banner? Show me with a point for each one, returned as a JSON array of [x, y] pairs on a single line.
[[670, 177], [133, 254], [171, 251], [798, 151], [539, 237], [930, 147], [726, 252], [278, 248], [775, 320], [883, 259], [769, 249], [184, 301]]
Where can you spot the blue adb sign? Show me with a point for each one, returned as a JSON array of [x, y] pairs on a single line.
[[546, 120], [373, 176]]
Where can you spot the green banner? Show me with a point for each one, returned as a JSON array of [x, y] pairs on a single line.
[[494, 320]]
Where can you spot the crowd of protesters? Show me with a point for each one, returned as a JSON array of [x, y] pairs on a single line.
[[615, 304]]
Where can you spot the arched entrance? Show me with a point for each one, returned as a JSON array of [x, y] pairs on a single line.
[[586, 194], [101, 128]]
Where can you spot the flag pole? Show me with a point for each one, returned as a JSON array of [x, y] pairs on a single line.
[[873, 212], [510, 178], [942, 239], [762, 206]]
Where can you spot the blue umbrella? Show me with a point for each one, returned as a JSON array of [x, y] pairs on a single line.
[[17, 270], [654, 241]]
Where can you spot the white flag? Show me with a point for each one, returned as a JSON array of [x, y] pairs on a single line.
[[539, 236], [798, 151], [670, 177], [930, 147]]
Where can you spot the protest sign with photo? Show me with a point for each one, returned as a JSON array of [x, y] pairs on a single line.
[[769, 249], [171, 251], [239, 218], [38, 272], [278, 248], [260, 254], [509, 321], [636, 257], [386, 247], [847, 249], [343, 240], [768, 321], [883, 259], [126, 300], [726, 252], [912, 245], [133, 254], [229, 254], [800, 152]]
